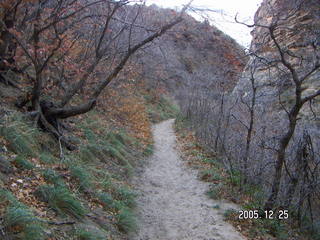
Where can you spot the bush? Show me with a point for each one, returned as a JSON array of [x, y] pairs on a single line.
[[115, 153], [53, 177], [46, 158], [107, 200], [214, 191], [113, 145], [19, 217], [97, 151], [235, 178], [86, 155], [82, 176], [126, 220], [6, 196], [21, 162], [169, 109], [20, 135], [119, 138], [90, 135], [125, 195], [162, 109], [61, 200], [82, 234], [276, 228], [230, 214], [148, 151], [211, 161], [210, 175]]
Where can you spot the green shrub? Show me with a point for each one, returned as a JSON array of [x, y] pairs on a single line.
[[255, 191], [235, 178], [115, 153], [82, 234], [106, 182], [90, 135], [82, 176], [149, 150], [21, 162], [181, 123], [46, 158], [53, 177], [161, 109], [20, 135], [229, 214], [252, 205], [126, 221], [210, 175], [20, 216], [119, 138], [86, 155], [17, 216], [97, 151], [61, 200], [214, 191], [211, 161], [107, 200], [169, 109], [125, 138], [276, 228], [6, 196], [118, 205], [125, 195]]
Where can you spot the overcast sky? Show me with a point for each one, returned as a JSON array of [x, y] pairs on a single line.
[[224, 16]]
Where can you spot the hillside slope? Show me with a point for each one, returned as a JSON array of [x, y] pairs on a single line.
[[50, 192]]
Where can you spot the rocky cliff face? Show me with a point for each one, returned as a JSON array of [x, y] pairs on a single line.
[[284, 63], [299, 21], [296, 30]]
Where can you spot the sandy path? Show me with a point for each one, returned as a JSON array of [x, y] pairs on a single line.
[[172, 204]]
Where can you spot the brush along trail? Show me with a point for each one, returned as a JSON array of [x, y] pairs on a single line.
[[172, 204]]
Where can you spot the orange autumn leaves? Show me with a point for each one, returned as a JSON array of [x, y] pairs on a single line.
[[136, 118], [126, 108]]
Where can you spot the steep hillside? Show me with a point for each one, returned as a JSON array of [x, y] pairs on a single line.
[[46, 190], [69, 149], [194, 56]]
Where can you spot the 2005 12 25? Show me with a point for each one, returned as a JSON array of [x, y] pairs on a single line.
[[267, 214]]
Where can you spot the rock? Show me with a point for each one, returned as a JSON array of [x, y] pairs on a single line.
[[20, 181], [3, 149]]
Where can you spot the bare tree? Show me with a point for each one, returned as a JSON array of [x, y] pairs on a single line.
[[47, 42], [285, 61]]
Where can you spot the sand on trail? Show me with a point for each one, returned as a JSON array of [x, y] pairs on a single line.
[[172, 204]]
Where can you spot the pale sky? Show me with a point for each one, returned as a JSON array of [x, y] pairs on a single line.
[[223, 17]]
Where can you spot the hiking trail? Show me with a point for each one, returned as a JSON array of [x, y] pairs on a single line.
[[172, 204]]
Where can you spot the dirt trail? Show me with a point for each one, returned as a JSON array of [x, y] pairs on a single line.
[[172, 204]]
